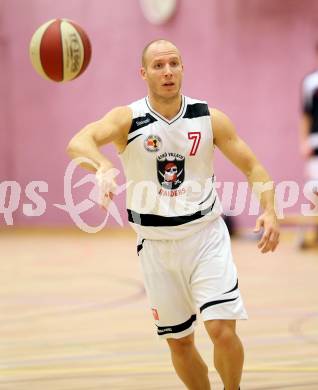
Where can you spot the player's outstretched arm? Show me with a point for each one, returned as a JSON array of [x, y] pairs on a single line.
[[238, 152], [112, 128]]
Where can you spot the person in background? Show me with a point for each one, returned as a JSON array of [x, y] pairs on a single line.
[[309, 138]]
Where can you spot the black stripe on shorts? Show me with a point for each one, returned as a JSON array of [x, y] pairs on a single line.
[[233, 289], [212, 303], [176, 328]]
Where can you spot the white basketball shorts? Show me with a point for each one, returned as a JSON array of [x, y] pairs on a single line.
[[189, 275]]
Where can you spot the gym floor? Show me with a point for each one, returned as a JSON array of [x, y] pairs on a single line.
[[74, 315]]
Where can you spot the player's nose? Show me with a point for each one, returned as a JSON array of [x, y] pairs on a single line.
[[167, 70]]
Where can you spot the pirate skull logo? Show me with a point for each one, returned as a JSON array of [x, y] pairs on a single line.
[[170, 170]]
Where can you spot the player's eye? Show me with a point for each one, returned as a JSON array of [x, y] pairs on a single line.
[[158, 65]]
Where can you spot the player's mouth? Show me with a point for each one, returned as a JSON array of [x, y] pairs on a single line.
[[168, 84]]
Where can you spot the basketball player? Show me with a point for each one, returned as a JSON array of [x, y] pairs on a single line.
[[309, 131], [165, 142]]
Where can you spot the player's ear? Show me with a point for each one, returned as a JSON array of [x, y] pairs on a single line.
[[143, 73]]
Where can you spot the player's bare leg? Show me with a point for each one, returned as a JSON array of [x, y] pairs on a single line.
[[228, 351], [188, 363]]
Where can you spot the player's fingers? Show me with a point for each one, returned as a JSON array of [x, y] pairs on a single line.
[[276, 241], [272, 241], [263, 241], [105, 199], [275, 246], [113, 187], [108, 197], [104, 203], [107, 189], [101, 197], [267, 240]]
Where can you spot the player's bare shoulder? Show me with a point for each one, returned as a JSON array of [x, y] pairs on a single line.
[[122, 115]]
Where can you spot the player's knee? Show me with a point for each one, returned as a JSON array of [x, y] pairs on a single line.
[[220, 332], [181, 346]]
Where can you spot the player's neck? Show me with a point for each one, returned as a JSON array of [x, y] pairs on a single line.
[[167, 107]]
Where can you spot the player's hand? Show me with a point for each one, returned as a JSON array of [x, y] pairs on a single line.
[[107, 186], [270, 237]]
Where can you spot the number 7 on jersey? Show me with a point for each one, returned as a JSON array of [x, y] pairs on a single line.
[[196, 137]]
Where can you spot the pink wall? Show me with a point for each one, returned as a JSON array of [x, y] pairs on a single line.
[[246, 57]]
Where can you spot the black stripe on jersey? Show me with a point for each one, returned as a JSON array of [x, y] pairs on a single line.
[[141, 121], [159, 220], [176, 328], [196, 110], [206, 197], [212, 303], [234, 288], [212, 178], [131, 139]]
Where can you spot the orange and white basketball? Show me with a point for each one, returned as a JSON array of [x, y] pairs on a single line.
[[60, 50]]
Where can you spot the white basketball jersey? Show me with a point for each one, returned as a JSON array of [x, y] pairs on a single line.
[[169, 170]]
